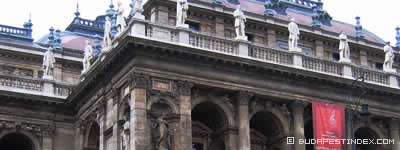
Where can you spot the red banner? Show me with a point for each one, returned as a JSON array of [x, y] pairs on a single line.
[[329, 126]]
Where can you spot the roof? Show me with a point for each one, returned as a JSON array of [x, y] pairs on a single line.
[[71, 40]]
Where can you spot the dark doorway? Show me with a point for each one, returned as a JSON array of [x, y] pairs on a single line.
[[16, 141], [94, 137], [365, 133], [309, 134]]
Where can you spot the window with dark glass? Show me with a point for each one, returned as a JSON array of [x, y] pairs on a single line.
[[197, 146], [379, 66], [193, 26], [335, 56], [250, 37]]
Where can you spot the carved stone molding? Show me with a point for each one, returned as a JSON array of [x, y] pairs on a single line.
[[37, 129], [244, 97], [140, 81], [184, 87]]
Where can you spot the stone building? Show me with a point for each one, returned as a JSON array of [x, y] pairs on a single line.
[[168, 87]]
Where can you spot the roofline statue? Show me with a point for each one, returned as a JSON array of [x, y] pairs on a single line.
[[48, 64], [87, 57], [182, 7], [240, 20], [294, 34], [138, 9], [121, 23], [389, 58], [107, 40], [344, 49]]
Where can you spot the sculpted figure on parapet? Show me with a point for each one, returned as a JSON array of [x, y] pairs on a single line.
[[48, 63], [87, 56], [240, 20], [138, 7], [107, 33], [344, 49], [181, 12], [389, 58], [121, 23], [294, 34]]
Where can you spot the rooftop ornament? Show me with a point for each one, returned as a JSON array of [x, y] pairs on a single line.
[[218, 2], [398, 37], [320, 17], [57, 41], [273, 7], [28, 25], [77, 13], [359, 29], [51, 37]]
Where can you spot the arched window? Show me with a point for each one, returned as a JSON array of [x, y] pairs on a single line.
[[17, 141]]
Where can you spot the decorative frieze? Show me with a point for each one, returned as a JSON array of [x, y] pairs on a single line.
[[37, 129], [140, 81]]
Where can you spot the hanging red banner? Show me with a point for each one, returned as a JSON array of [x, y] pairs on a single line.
[[329, 126]]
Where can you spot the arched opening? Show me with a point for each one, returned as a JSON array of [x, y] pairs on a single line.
[[309, 133], [16, 141], [265, 131], [366, 133], [208, 123], [93, 137]]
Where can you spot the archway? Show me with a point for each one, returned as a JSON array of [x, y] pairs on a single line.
[[93, 138], [16, 141], [208, 125], [366, 133], [266, 131]]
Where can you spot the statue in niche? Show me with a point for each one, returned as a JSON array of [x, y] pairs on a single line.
[[87, 56], [121, 23], [48, 64], [294, 34], [389, 58], [240, 20], [107, 33], [344, 49], [181, 13], [125, 134], [162, 140]]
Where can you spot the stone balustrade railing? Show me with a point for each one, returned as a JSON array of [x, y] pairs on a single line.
[[322, 65], [162, 32], [20, 82], [272, 55], [34, 86], [213, 43], [370, 75], [308, 3], [248, 50], [15, 31]]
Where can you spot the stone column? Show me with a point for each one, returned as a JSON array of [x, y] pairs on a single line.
[[271, 37], [231, 139], [394, 134], [102, 123], [298, 117], [349, 127], [244, 124], [138, 118], [115, 139], [185, 107]]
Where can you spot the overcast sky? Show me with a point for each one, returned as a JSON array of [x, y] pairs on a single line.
[[379, 17]]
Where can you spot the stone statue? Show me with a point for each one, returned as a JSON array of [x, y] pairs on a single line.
[[107, 33], [164, 133], [121, 23], [87, 56], [389, 58], [240, 19], [48, 63], [181, 13], [294, 34], [344, 49], [138, 7], [126, 135]]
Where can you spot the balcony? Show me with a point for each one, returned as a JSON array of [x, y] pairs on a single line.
[[34, 86], [295, 60]]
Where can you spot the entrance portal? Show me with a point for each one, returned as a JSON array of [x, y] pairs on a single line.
[[16, 141]]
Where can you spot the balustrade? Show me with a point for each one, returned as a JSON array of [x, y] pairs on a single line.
[[62, 90], [322, 65], [213, 43], [162, 32], [269, 54], [21, 83], [370, 75], [14, 30]]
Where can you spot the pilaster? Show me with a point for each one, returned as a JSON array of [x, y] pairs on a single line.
[[363, 58], [185, 122], [298, 117], [220, 26], [319, 48], [102, 123], [244, 124], [271, 37], [394, 133]]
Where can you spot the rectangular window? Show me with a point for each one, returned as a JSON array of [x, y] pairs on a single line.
[[335, 56], [197, 146], [285, 46], [379, 66], [250, 37], [193, 26]]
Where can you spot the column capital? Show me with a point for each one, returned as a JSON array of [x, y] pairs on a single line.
[[244, 97], [139, 80], [298, 107], [185, 87]]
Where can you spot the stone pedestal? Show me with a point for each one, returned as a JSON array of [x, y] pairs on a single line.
[[138, 28], [244, 124], [298, 117], [183, 35], [297, 59], [393, 80], [48, 88], [243, 48], [394, 134], [347, 70], [182, 26]]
